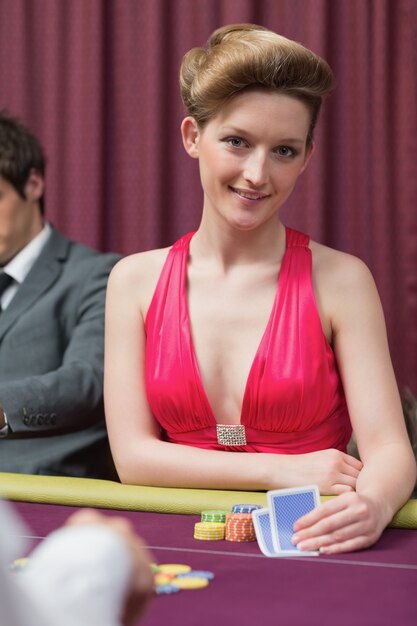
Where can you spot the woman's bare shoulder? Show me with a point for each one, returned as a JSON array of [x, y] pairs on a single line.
[[141, 265], [136, 275], [343, 285], [338, 269]]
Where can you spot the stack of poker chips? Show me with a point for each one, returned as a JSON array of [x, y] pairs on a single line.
[[173, 577], [209, 531], [236, 525], [239, 527], [212, 525]]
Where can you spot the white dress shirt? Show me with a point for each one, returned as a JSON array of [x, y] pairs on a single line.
[[78, 576], [19, 267]]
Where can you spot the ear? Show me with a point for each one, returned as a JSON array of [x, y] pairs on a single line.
[[35, 186], [190, 134], [309, 154]]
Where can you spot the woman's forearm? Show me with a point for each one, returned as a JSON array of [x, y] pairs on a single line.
[[162, 464], [388, 477]]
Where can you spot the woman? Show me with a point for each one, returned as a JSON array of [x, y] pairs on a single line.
[[246, 336]]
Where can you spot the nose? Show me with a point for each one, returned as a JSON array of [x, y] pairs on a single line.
[[256, 169]]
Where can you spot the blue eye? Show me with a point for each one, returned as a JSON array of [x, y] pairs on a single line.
[[285, 151], [235, 142]]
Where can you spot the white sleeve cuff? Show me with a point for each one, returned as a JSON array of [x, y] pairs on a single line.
[[81, 574]]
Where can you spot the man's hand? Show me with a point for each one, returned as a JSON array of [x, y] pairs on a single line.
[[141, 587], [2, 418]]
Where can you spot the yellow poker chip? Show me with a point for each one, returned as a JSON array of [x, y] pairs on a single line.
[[190, 582], [201, 538], [210, 525], [174, 568], [209, 531]]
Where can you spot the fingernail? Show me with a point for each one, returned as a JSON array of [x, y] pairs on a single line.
[[295, 539]]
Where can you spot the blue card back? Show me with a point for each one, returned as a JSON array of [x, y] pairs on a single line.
[[262, 524], [286, 507]]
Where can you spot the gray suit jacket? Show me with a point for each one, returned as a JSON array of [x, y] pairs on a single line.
[[51, 365]]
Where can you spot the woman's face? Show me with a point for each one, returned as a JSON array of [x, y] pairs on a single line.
[[250, 155]]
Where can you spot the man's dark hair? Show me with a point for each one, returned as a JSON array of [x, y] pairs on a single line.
[[20, 153]]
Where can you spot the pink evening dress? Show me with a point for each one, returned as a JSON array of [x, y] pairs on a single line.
[[293, 401]]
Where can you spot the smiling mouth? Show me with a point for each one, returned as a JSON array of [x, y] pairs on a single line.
[[250, 195]]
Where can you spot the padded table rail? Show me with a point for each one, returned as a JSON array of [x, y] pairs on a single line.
[[112, 495]]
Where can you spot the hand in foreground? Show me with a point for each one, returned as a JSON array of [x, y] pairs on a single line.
[[343, 524], [141, 588], [333, 471]]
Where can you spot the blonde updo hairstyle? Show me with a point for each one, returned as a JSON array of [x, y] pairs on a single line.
[[240, 56]]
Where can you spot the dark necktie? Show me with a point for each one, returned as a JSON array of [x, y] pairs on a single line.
[[5, 281]]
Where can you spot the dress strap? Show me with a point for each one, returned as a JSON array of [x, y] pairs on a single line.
[[184, 242], [295, 239]]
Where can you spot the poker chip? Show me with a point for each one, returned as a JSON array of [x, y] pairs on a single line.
[[239, 517], [214, 515], [245, 508], [163, 579], [217, 524], [190, 582], [209, 531], [166, 589], [239, 527], [174, 568], [173, 577], [196, 573]]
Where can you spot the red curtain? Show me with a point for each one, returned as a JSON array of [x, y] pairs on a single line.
[[97, 81]]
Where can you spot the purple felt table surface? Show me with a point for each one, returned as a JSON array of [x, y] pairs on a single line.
[[374, 587]]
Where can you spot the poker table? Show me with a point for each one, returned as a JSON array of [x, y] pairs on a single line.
[[374, 587]]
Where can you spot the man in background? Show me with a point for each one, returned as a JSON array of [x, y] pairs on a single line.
[[52, 296]]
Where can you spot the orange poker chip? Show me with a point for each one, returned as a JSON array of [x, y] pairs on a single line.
[[163, 579], [239, 516], [239, 527]]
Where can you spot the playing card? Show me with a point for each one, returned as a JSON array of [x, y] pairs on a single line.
[[286, 506], [262, 525]]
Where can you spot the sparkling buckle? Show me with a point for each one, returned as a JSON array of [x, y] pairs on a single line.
[[231, 434]]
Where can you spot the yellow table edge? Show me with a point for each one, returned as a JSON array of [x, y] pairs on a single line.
[[107, 494]]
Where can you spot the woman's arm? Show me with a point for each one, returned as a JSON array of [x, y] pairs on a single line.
[[139, 454], [356, 520]]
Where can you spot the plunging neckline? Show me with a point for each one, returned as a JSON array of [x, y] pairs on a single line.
[[244, 412], [293, 401]]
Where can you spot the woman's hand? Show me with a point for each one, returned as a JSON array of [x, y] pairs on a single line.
[[333, 471], [352, 521]]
